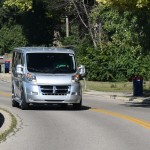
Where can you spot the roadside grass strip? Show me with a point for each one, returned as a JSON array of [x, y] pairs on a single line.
[[8, 125], [140, 122]]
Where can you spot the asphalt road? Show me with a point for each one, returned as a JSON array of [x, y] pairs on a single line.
[[102, 124]]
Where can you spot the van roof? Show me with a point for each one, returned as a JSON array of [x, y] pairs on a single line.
[[43, 49]]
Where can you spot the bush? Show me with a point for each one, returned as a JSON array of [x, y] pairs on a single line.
[[123, 50], [110, 66], [11, 36]]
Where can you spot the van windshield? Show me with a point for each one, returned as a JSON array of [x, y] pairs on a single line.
[[51, 63]]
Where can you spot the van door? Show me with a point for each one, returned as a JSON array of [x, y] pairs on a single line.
[[17, 78]]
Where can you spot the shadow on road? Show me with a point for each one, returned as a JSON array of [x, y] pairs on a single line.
[[145, 102], [137, 104], [57, 108]]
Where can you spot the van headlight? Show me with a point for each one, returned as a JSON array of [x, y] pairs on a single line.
[[31, 77], [76, 78]]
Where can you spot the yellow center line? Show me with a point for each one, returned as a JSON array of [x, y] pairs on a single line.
[[140, 122], [5, 94]]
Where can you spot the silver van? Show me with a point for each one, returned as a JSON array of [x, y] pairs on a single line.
[[46, 75]]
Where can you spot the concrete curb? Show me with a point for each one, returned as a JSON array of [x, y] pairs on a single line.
[[7, 121]]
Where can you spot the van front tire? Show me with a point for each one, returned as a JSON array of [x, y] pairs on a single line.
[[14, 103], [23, 105], [77, 106]]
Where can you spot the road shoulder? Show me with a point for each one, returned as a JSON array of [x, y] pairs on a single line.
[[8, 123]]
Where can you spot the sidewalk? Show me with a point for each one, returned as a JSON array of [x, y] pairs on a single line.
[[5, 77], [121, 96]]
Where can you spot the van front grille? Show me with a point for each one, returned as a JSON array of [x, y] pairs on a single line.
[[55, 90]]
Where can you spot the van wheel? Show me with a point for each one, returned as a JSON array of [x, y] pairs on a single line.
[[23, 105], [14, 103], [77, 106]]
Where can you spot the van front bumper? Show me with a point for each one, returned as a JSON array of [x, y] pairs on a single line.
[[53, 99], [34, 94]]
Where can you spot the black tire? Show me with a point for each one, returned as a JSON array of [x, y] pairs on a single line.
[[14, 103], [23, 105], [77, 106]]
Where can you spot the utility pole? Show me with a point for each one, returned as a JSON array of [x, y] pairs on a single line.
[[67, 26]]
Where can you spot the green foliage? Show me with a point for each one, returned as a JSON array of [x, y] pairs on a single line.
[[122, 30], [71, 40], [38, 27], [126, 4], [125, 35], [11, 36], [22, 5], [122, 53]]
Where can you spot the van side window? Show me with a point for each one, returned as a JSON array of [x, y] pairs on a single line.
[[19, 59], [14, 59]]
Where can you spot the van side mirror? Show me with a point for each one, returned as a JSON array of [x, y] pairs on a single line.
[[81, 71], [19, 69]]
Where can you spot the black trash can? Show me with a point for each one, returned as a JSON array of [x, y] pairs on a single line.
[[7, 66], [137, 86]]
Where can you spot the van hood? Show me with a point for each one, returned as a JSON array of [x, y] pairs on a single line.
[[54, 79]]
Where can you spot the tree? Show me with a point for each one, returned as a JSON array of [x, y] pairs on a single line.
[[11, 36], [124, 40], [84, 17], [78, 10], [22, 5], [125, 3]]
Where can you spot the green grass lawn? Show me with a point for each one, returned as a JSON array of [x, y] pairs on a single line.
[[113, 86]]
